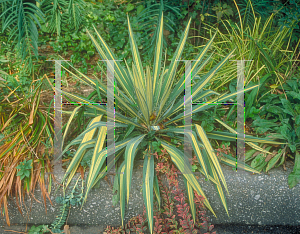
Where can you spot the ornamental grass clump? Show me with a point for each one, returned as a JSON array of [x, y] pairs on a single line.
[[149, 97], [27, 133]]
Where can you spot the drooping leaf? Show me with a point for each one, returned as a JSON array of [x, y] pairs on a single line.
[[148, 176], [294, 176], [273, 161], [287, 107]]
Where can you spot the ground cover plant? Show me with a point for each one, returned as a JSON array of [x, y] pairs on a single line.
[[150, 99], [280, 114]]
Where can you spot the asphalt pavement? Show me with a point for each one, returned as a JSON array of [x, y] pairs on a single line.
[[219, 229], [237, 229]]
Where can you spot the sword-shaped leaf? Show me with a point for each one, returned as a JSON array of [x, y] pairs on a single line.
[[201, 133], [177, 157], [148, 174], [190, 193], [129, 158]]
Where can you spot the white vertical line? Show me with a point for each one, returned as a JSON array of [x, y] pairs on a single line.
[[240, 112], [188, 150], [110, 114], [58, 117]]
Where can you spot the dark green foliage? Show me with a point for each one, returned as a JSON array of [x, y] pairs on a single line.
[[19, 18], [63, 15], [254, 8], [289, 16], [281, 115], [148, 21]]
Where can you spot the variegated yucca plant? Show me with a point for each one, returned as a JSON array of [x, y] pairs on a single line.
[[151, 98]]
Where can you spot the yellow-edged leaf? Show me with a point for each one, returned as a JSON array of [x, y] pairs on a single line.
[[211, 153], [190, 193], [129, 158], [122, 192], [148, 174], [177, 158]]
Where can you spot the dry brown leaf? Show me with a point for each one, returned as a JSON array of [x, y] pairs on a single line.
[[284, 168], [166, 138], [38, 172], [144, 125], [81, 171], [6, 210], [35, 198], [258, 152], [18, 190], [31, 115], [67, 229], [43, 192], [268, 158]]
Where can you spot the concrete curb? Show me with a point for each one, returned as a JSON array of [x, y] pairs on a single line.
[[263, 199]]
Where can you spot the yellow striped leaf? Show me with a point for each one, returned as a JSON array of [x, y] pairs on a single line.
[[156, 189], [129, 158], [190, 193], [122, 191], [148, 174], [177, 158], [215, 176], [201, 133]]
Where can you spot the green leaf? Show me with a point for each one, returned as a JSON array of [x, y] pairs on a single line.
[[273, 109], [285, 132], [294, 176], [257, 161], [20, 173], [129, 159], [27, 173], [288, 107], [273, 161], [282, 160], [249, 154], [194, 168], [156, 189], [297, 120], [139, 9], [129, 7], [297, 130]]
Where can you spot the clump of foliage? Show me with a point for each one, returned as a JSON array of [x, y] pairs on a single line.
[[280, 114], [63, 15], [19, 18], [24, 158]]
